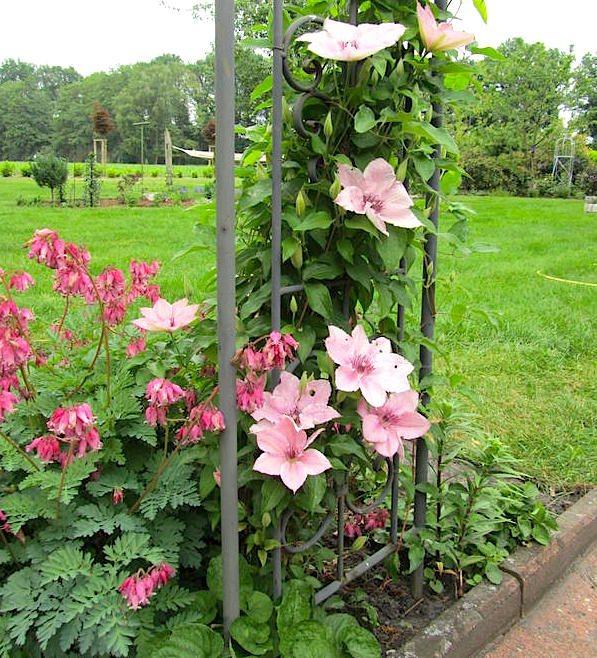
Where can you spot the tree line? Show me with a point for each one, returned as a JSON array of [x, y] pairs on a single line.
[[51, 107], [506, 132]]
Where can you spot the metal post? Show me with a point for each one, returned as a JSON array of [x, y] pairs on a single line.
[[427, 329], [276, 304], [226, 265]]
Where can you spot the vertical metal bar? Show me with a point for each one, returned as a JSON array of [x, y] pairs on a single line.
[[277, 96], [394, 507], [341, 515], [226, 265], [276, 259], [427, 329]]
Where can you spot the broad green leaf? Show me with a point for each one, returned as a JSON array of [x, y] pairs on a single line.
[[312, 220], [312, 493], [251, 635], [272, 493], [319, 299], [391, 248], [259, 607], [360, 642], [450, 182], [364, 119], [289, 246], [322, 270], [215, 576], [309, 639], [306, 339], [345, 249], [295, 606], [493, 573], [262, 88], [424, 165], [360, 223], [191, 641]]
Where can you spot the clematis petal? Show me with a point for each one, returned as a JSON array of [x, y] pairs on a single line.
[[268, 464], [293, 474], [351, 198], [314, 462], [338, 345], [347, 379], [373, 391]]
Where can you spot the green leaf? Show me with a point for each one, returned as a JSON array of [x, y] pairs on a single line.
[[312, 220], [493, 573], [360, 642], [360, 223], [289, 246], [251, 635], [433, 134], [481, 7], [65, 563], [490, 53], [215, 576], [322, 270], [364, 119], [345, 249], [256, 194], [319, 299], [391, 248], [416, 555], [306, 339], [424, 165], [259, 607], [541, 534], [450, 182], [295, 606], [308, 639], [272, 493], [312, 492], [262, 88], [191, 641]]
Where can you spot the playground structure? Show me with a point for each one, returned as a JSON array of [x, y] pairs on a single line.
[[563, 160]]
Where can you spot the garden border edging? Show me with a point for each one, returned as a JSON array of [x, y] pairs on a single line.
[[488, 610]]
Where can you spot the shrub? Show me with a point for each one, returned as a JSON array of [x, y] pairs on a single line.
[[126, 186], [155, 173], [194, 174], [93, 183], [112, 173], [7, 169], [26, 170], [78, 170], [50, 171], [587, 181]]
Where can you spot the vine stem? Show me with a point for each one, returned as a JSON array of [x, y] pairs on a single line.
[[20, 450], [69, 456], [64, 314]]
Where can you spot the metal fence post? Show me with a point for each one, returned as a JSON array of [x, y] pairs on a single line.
[[427, 329], [226, 266]]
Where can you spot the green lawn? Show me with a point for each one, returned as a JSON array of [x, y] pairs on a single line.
[[533, 376]]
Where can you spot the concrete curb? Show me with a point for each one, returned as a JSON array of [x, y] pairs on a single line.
[[488, 610]]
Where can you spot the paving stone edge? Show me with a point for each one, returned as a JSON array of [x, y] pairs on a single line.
[[488, 610]]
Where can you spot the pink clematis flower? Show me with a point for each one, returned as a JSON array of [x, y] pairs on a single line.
[[397, 420], [20, 281], [307, 405], [377, 194], [286, 453], [442, 36], [164, 316], [344, 42], [370, 367]]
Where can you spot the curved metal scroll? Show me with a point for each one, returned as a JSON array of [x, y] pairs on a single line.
[[364, 509], [306, 545]]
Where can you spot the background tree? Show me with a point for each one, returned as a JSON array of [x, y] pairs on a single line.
[[516, 115], [584, 97], [101, 119], [49, 171]]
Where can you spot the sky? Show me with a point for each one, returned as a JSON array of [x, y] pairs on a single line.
[[67, 33]]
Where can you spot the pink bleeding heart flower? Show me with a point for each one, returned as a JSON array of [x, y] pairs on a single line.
[[20, 281], [377, 194], [386, 427], [218, 477], [46, 248], [370, 367], [344, 42], [8, 401], [250, 392], [163, 316], [46, 447], [136, 346], [438, 37], [286, 453], [110, 285], [117, 496], [306, 404]]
